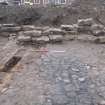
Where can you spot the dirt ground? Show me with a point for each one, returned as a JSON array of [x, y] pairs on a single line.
[[72, 73]]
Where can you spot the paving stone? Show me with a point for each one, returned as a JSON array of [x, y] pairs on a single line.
[[49, 102], [66, 80], [74, 76], [102, 102], [60, 99], [81, 79], [76, 70], [69, 88], [65, 86], [71, 94]]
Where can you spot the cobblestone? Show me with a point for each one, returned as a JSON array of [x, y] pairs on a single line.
[[71, 85]]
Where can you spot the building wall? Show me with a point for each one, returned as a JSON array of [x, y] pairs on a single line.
[[41, 2]]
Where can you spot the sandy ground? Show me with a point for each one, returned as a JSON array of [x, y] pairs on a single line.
[[72, 73]]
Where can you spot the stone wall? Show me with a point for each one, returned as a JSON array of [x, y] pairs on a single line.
[[83, 30]]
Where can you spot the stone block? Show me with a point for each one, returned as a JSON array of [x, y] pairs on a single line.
[[9, 25], [42, 39], [10, 29], [97, 27], [85, 22], [24, 38], [70, 37], [32, 33], [28, 27], [5, 34], [84, 29], [98, 32], [42, 28], [86, 38], [69, 27], [55, 31], [100, 39], [56, 38]]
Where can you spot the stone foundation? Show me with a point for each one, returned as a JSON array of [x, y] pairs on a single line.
[[84, 30]]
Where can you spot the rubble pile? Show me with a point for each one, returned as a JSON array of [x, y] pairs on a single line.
[[85, 30]]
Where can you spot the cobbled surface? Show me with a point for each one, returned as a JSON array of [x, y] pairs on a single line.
[[69, 80]]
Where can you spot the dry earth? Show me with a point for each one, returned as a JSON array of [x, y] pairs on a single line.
[[72, 73]]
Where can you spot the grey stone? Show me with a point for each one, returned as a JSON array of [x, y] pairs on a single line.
[[10, 29], [42, 28], [85, 22], [49, 102], [98, 32], [41, 39], [100, 39], [74, 76], [84, 29], [76, 70], [102, 102], [69, 37], [33, 33], [82, 79], [5, 34], [56, 38], [97, 27], [86, 38], [24, 38], [69, 87], [60, 99], [66, 80], [68, 27], [55, 31], [71, 94], [28, 27], [88, 67], [9, 25]]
